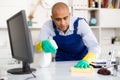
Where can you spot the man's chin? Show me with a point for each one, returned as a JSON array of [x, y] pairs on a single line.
[[63, 29]]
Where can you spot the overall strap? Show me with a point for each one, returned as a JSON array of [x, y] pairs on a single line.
[[55, 29], [76, 24]]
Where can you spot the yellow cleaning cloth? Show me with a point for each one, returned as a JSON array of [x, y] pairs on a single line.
[[81, 70]]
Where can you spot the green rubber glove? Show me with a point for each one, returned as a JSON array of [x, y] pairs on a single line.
[[82, 64], [48, 47]]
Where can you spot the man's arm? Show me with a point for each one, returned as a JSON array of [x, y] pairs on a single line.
[[91, 43], [88, 37], [44, 43]]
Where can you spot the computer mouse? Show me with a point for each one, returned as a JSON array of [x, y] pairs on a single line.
[[104, 71]]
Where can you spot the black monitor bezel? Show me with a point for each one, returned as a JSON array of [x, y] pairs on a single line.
[[29, 58]]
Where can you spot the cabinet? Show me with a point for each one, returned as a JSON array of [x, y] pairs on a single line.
[[105, 23]]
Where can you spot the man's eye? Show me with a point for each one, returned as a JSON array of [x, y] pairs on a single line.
[[65, 18], [58, 19]]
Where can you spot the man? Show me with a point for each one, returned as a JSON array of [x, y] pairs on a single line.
[[73, 36]]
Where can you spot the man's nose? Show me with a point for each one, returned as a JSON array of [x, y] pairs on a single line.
[[62, 22]]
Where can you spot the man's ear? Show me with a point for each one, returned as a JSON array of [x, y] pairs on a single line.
[[51, 17], [69, 14]]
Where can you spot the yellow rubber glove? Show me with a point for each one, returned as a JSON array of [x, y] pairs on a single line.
[[38, 46], [85, 62], [90, 57], [48, 46]]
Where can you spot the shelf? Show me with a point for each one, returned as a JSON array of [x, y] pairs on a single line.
[[107, 25], [5, 48], [110, 27], [31, 28], [89, 9], [110, 8], [34, 28], [95, 27], [3, 28], [38, 28]]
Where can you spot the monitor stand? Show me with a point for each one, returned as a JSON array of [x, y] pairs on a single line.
[[24, 70]]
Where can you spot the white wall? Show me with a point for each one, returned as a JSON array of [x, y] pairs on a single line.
[[9, 8]]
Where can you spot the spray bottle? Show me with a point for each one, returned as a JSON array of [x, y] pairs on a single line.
[[46, 58]]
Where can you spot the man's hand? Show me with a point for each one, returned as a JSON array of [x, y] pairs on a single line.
[[82, 64], [48, 47]]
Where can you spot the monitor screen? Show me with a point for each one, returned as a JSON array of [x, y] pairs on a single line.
[[20, 42]]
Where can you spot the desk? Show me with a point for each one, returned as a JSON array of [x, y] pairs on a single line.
[[60, 71]]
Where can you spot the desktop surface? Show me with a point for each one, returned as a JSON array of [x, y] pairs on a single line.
[[61, 71]]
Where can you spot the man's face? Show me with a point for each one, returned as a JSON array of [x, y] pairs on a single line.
[[61, 19]]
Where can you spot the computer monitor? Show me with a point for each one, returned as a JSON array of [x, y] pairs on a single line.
[[20, 42]]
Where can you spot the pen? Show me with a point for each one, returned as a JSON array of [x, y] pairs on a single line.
[[113, 62], [99, 62]]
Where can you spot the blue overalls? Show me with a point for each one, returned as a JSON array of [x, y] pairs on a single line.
[[70, 47]]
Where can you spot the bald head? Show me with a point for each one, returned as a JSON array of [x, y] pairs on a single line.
[[61, 16], [60, 6]]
